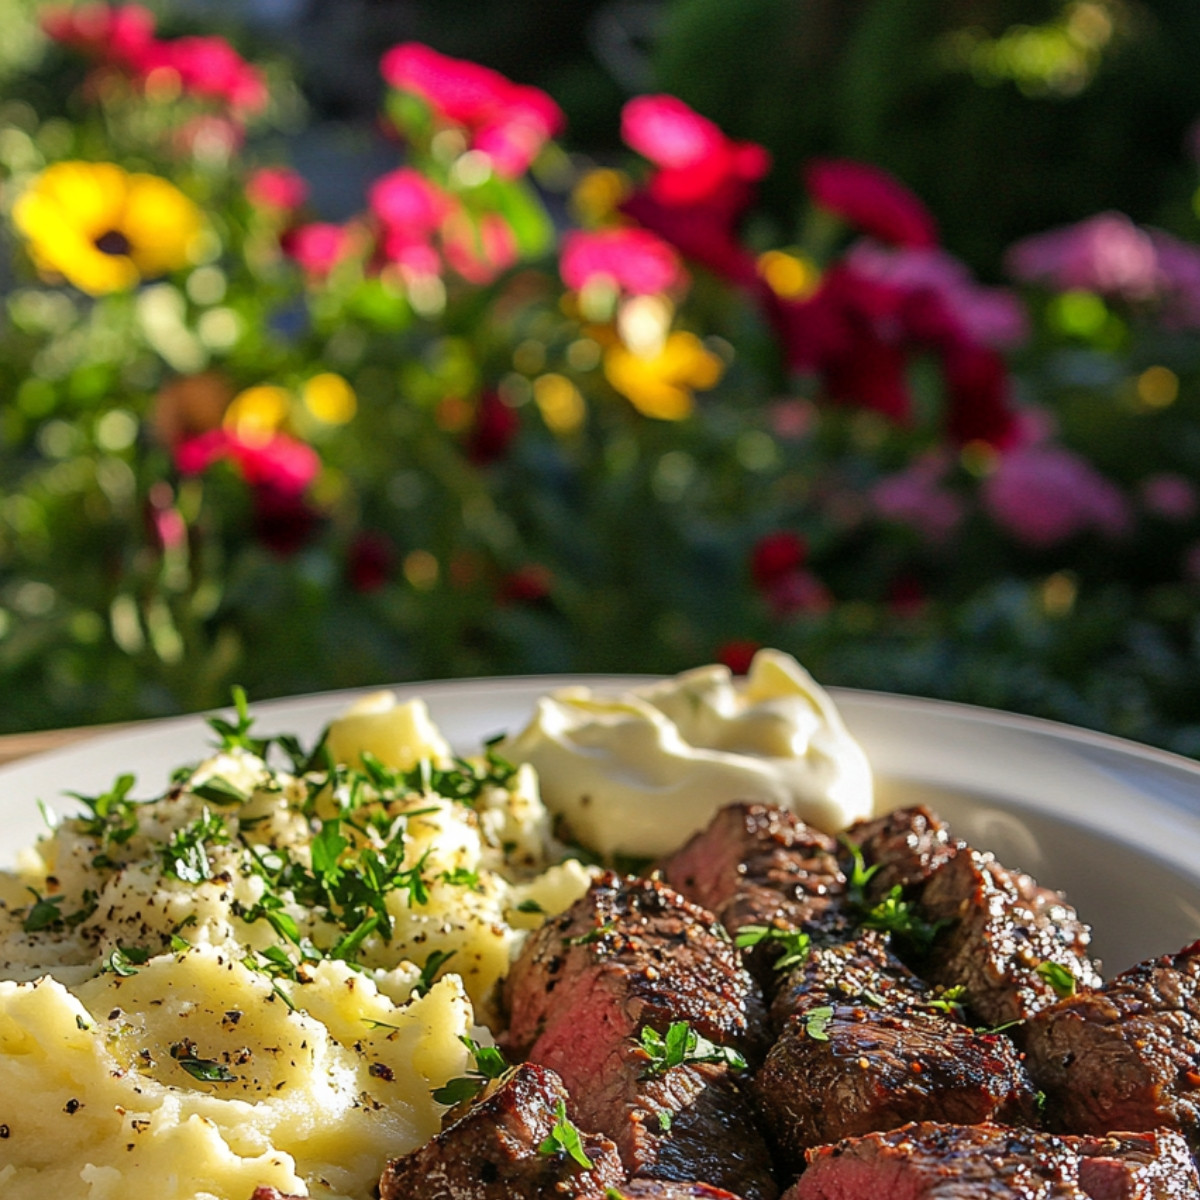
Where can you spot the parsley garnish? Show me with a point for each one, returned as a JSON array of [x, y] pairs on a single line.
[[664, 1120], [860, 874], [682, 1044], [207, 1070], [218, 790], [1058, 977], [892, 914], [43, 913], [565, 1137], [489, 1064], [125, 961], [816, 1022], [592, 935], [530, 906], [185, 856], [113, 816], [948, 1001], [796, 945], [433, 964]]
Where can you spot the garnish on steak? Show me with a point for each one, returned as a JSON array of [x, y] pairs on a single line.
[[902, 848], [929, 1161], [633, 955], [756, 865], [879, 1057], [505, 1146], [1127, 1055], [997, 931]]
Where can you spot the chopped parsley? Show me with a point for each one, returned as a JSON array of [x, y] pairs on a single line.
[[206, 1070], [489, 1065], [433, 964], [796, 945], [1058, 977], [593, 935], [892, 914], [112, 816], [565, 1138], [816, 1022], [185, 856], [125, 960], [682, 1044]]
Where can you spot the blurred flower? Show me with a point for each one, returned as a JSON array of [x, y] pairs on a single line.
[[120, 35], [330, 398], [1044, 494], [103, 229], [479, 250], [509, 122], [190, 405], [284, 521], [661, 384], [275, 460], [317, 247], [371, 562], [916, 497], [210, 137], [633, 261], [775, 556], [697, 163], [257, 412], [1170, 496], [978, 396], [906, 597], [799, 592], [494, 427], [210, 68], [738, 654], [871, 200], [408, 202], [528, 584], [279, 189]]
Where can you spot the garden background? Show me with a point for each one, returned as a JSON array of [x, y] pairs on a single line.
[[346, 343]]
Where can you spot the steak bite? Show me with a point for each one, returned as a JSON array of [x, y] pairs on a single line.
[[1002, 937], [1136, 1166], [758, 865], [905, 847], [630, 953], [1127, 1055], [928, 1161], [661, 1189], [631, 956], [844, 1069], [499, 1149]]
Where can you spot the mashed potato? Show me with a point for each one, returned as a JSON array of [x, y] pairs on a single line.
[[260, 977]]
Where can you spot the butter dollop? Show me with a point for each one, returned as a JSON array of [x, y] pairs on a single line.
[[637, 773]]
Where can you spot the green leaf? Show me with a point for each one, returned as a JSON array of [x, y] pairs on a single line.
[[592, 935], [796, 944], [43, 913], [816, 1022], [565, 1137], [206, 1070], [433, 964], [1058, 977], [682, 1044], [124, 961], [220, 791]]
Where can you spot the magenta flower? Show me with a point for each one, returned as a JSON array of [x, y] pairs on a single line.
[[116, 35], [510, 122], [317, 247], [279, 189], [635, 261], [406, 201], [277, 461], [1044, 494], [479, 250], [1169, 496], [871, 200], [917, 497], [209, 67], [697, 162]]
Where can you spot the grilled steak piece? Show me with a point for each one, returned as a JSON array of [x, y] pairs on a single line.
[[494, 1151], [1126, 1056], [906, 846], [846, 1069], [661, 1189], [942, 1162], [1136, 1166], [632, 955], [999, 928], [845, 972], [758, 865], [628, 954]]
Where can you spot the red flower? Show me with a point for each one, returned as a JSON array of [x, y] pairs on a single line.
[[284, 521], [510, 122], [371, 561], [738, 654], [978, 396], [526, 585], [211, 68], [495, 426], [871, 200], [634, 260], [775, 556], [317, 247], [277, 188], [117, 35], [279, 462]]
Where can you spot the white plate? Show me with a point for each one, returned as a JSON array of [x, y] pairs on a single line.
[[1115, 824]]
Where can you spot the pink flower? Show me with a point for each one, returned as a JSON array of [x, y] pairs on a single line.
[[510, 122], [635, 261], [697, 162], [211, 68], [1045, 494], [406, 201], [318, 247], [278, 188], [871, 200], [1107, 253], [1169, 496], [978, 396], [371, 561], [479, 251], [278, 461], [799, 592], [916, 497], [117, 35]]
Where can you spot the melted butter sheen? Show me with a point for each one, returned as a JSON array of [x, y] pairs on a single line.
[[638, 773]]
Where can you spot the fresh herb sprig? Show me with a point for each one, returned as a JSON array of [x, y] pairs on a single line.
[[892, 914], [796, 945], [489, 1064], [682, 1044], [565, 1138]]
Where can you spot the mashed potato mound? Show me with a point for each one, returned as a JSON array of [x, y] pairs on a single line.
[[260, 977]]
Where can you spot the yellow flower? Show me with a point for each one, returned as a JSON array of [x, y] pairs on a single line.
[[104, 229], [661, 384]]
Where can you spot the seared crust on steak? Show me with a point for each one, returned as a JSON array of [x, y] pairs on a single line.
[[1127, 1055], [758, 865], [662, 1189], [905, 846], [1136, 1166], [997, 928], [494, 1151], [942, 1162]]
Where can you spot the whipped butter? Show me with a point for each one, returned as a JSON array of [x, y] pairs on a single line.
[[639, 772]]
